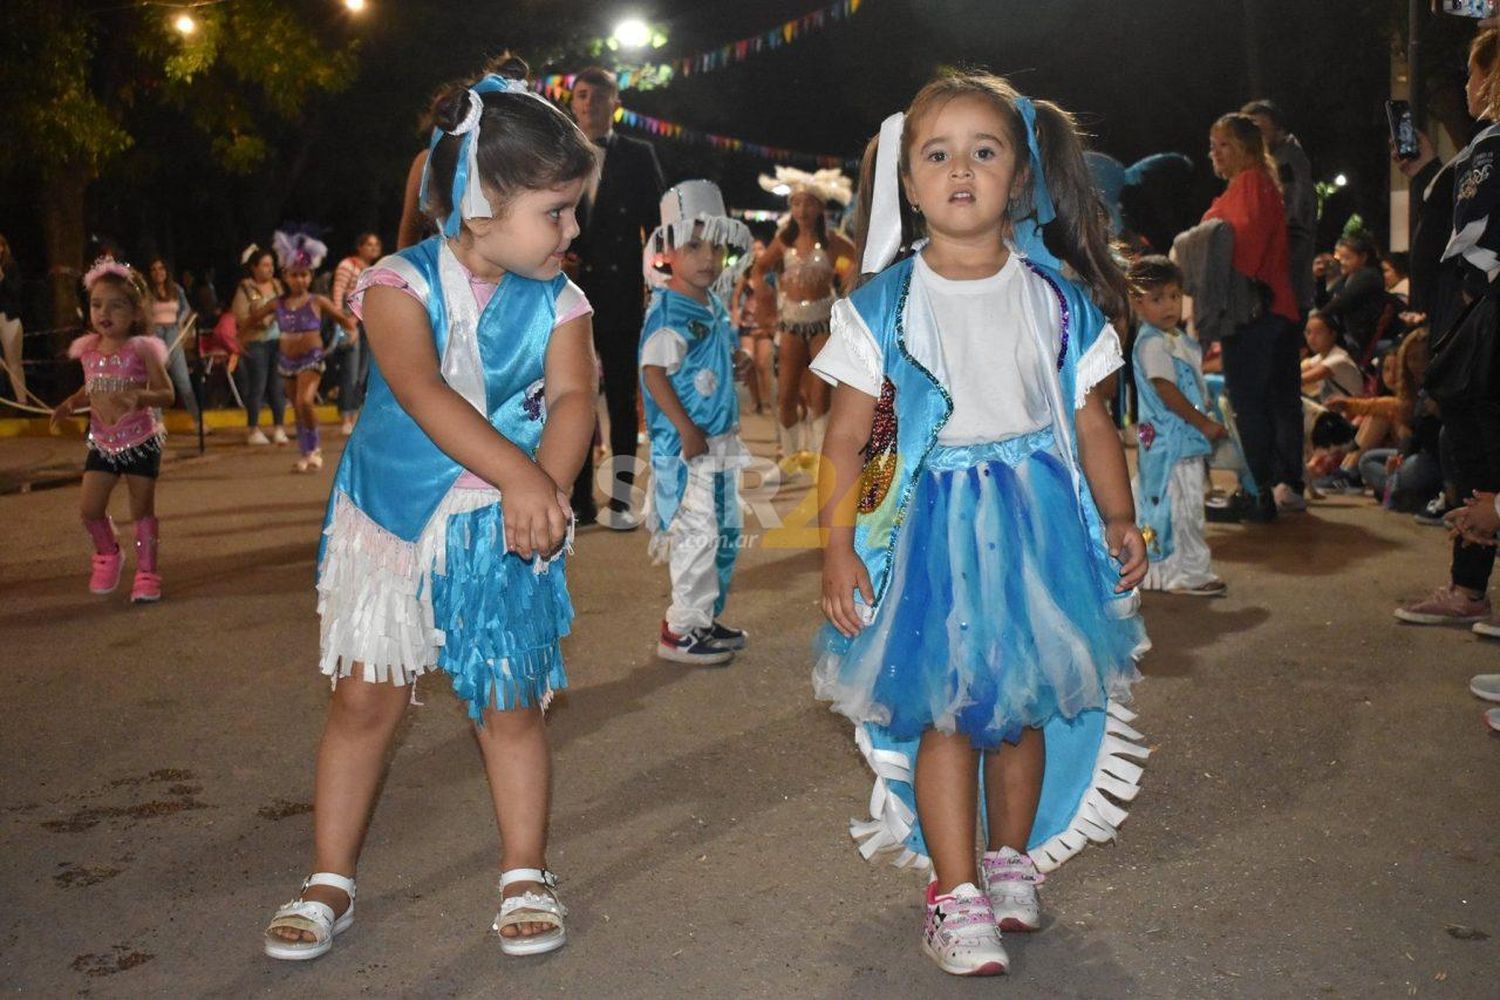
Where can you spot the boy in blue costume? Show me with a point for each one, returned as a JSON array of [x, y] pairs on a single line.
[[1175, 433], [689, 360]]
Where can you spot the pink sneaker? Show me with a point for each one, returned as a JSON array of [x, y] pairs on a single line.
[[147, 588], [105, 576], [1446, 606], [960, 934]]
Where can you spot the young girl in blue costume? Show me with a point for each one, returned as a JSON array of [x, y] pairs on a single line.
[[480, 402], [982, 551]]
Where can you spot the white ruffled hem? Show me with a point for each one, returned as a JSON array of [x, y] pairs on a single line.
[[1099, 362], [1098, 818], [374, 592]]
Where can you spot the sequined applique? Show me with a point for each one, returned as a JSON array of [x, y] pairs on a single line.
[[534, 400], [880, 464]]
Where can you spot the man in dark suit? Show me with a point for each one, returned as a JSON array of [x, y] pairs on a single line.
[[620, 207]]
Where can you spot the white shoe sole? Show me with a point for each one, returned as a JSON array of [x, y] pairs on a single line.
[[992, 968], [1420, 618], [1484, 628], [535, 944], [1479, 692], [707, 660], [286, 951]]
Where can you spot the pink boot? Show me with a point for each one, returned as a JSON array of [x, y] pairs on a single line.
[[105, 575], [147, 587]]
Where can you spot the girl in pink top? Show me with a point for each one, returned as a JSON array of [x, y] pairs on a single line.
[[125, 384]]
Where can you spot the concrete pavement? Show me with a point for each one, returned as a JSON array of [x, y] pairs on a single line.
[[1319, 817]]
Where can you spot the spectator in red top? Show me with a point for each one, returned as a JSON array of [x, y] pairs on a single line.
[[1261, 358]]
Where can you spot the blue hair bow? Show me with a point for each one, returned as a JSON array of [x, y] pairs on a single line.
[[467, 200], [1026, 232]]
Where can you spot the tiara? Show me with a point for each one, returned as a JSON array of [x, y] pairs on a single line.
[[106, 265]]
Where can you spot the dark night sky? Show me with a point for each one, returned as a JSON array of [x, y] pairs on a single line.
[[1145, 76]]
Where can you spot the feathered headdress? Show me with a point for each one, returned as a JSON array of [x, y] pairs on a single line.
[[829, 184], [298, 251]]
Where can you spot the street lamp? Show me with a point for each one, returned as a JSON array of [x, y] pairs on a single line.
[[355, 6], [1340, 181], [185, 24], [633, 33]]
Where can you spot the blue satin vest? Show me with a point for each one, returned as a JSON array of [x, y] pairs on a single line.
[[704, 383], [391, 470]]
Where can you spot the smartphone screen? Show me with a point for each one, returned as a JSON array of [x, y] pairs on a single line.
[[1476, 9], [1403, 129]]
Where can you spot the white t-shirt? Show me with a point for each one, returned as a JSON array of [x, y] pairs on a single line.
[[1155, 358], [1344, 378], [996, 369]]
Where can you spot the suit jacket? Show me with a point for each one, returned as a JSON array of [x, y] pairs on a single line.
[[623, 214]]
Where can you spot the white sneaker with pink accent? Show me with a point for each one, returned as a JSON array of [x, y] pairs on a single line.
[[960, 934], [1010, 879]]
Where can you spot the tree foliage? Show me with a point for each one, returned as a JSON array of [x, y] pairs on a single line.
[[78, 75]]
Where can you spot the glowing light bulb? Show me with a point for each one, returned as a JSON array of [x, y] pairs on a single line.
[[185, 24], [1340, 181], [633, 33], [355, 6]]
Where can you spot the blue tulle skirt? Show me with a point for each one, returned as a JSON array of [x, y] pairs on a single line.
[[996, 616], [503, 617]]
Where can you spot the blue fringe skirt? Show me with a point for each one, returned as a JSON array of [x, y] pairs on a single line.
[[997, 616], [503, 617], [453, 599]]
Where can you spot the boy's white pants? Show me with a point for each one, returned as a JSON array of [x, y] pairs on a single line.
[[694, 539], [1188, 565]]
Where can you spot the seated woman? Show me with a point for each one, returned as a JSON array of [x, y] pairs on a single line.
[[1357, 297], [1388, 426]]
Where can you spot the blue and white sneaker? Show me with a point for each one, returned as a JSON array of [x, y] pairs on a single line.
[[728, 638], [697, 646]]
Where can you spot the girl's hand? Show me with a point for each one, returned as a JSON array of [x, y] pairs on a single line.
[[1393, 463], [693, 443], [844, 573], [1126, 545], [60, 414], [536, 524], [1338, 404], [1215, 431], [744, 365], [1476, 521]]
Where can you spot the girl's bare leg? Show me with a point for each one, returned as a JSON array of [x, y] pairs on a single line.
[[362, 720], [1012, 789], [518, 764], [946, 783]]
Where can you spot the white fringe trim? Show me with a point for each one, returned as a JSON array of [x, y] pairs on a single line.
[[374, 597], [1099, 362], [1098, 819]]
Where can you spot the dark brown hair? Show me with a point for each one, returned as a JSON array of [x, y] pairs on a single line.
[[598, 76], [1151, 272], [1077, 235], [525, 144]]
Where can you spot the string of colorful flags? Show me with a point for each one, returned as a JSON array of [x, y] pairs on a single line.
[[672, 130], [651, 75]]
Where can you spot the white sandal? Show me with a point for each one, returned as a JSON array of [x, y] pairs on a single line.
[[310, 915], [531, 907]]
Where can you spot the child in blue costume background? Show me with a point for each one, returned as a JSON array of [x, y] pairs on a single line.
[[982, 550], [689, 360], [483, 386], [1174, 433]]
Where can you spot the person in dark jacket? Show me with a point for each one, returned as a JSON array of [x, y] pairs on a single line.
[[619, 207]]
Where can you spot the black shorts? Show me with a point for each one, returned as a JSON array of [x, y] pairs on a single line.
[[143, 461]]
